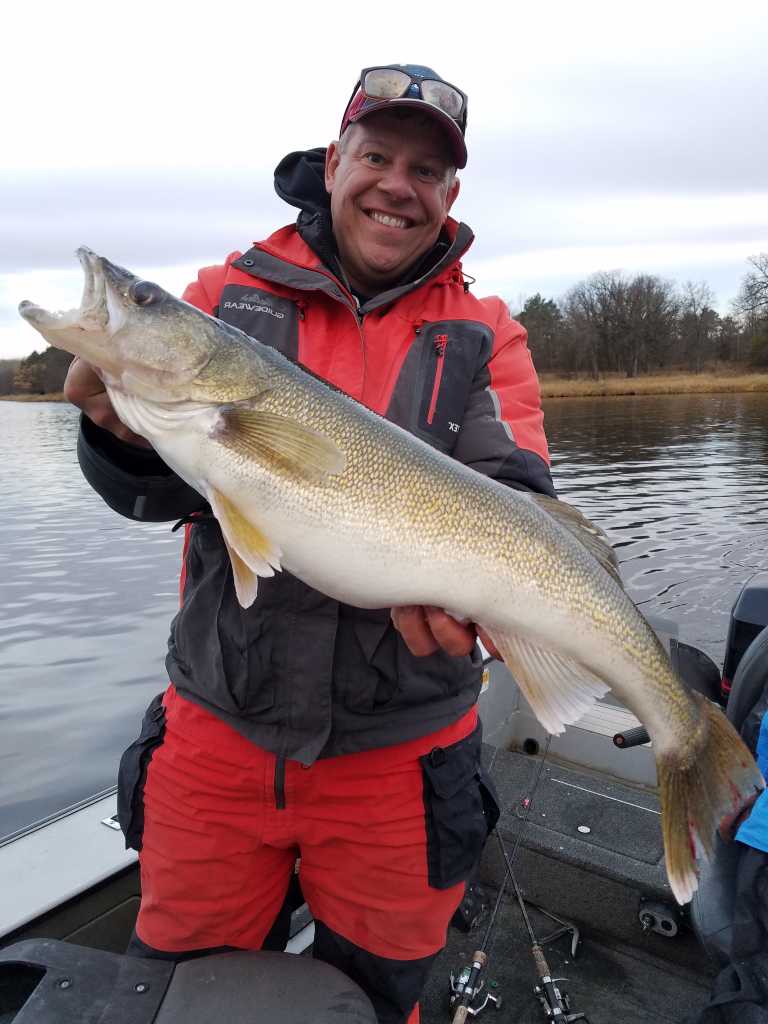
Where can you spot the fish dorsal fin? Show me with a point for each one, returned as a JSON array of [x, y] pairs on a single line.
[[559, 689], [587, 533], [270, 437], [251, 552]]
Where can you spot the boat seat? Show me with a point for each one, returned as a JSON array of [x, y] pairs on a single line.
[[750, 687], [45, 981], [712, 903]]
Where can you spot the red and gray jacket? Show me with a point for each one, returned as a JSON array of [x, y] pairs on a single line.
[[298, 673]]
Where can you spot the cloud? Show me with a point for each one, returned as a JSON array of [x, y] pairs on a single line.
[[138, 218]]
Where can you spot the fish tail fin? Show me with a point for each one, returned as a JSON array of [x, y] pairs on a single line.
[[719, 779]]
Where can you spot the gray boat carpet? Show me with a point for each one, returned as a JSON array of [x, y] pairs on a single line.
[[609, 982]]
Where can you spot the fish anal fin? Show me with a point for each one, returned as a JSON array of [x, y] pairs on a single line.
[[558, 688], [269, 437], [253, 550]]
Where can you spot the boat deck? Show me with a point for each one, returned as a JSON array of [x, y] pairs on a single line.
[[607, 980], [591, 852]]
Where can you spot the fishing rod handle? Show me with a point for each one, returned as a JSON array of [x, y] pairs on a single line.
[[552, 994], [479, 960], [542, 967], [631, 738]]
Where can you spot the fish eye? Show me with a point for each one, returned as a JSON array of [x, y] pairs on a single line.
[[144, 293]]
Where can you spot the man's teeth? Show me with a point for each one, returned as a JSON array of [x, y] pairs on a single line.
[[388, 219]]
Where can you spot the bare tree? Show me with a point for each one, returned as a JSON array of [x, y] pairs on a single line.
[[729, 340], [8, 368], [698, 323], [624, 325], [651, 315], [752, 300]]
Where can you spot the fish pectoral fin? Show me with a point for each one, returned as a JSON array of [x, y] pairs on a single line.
[[587, 533], [558, 688], [251, 552], [269, 437]]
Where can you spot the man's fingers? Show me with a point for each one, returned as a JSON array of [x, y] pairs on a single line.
[[82, 382], [454, 637], [424, 629], [411, 622], [729, 825], [84, 388], [488, 644]]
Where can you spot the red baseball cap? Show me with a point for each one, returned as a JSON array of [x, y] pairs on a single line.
[[412, 85]]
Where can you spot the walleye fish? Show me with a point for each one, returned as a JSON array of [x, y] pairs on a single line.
[[304, 478]]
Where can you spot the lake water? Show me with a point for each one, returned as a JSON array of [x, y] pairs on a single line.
[[679, 483]]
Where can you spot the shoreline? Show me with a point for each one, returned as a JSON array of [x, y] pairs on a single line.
[[611, 386], [608, 386]]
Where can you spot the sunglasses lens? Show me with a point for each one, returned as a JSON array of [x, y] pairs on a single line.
[[386, 83], [443, 96]]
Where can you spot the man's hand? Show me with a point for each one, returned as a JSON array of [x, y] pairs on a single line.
[[729, 825], [424, 629], [85, 389]]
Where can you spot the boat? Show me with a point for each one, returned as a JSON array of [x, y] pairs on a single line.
[[579, 826]]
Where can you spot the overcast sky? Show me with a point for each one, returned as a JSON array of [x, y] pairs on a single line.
[[602, 136]]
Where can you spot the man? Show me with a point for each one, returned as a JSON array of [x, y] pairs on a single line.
[[302, 727]]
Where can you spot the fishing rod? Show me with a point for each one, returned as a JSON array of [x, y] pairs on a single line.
[[468, 986], [554, 1001]]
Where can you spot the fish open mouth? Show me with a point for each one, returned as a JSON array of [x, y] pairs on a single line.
[[93, 312]]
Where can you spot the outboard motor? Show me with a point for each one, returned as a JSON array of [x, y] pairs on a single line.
[[44, 981]]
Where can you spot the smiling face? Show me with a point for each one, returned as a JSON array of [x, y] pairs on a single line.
[[392, 184]]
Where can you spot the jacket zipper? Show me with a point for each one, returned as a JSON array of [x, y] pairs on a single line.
[[440, 343], [280, 784]]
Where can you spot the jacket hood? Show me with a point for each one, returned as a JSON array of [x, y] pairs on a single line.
[[300, 181]]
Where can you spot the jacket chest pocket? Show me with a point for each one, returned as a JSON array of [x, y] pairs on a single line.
[[271, 319], [432, 391]]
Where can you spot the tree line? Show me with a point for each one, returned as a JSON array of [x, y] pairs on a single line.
[[612, 323], [607, 323], [42, 373]]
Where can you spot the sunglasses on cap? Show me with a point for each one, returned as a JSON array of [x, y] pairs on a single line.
[[404, 84], [397, 83]]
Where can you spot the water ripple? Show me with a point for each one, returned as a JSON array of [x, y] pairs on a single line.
[[680, 484]]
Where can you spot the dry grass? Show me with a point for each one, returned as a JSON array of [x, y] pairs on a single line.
[[666, 384], [725, 381]]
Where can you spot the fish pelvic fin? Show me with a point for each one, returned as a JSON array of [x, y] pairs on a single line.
[[719, 778], [246, 581], [269, 437], [559, 689], [251, 553], [586, 532]]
